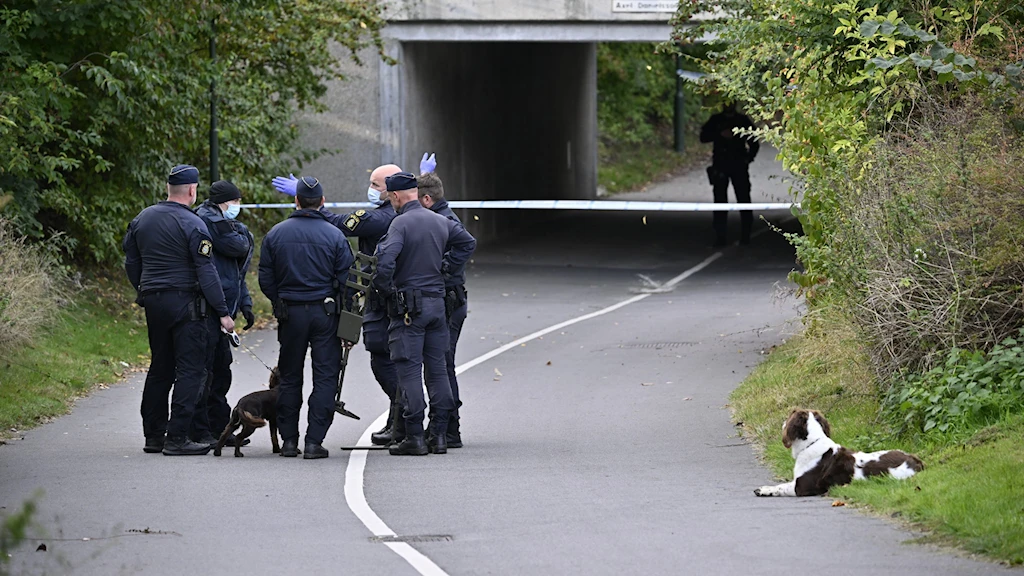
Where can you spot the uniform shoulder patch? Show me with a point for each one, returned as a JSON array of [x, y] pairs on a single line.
[[205, 248], [351, 222], [360, 213]]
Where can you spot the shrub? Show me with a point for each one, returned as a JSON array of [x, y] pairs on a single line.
[[33, 285], [970, 390]]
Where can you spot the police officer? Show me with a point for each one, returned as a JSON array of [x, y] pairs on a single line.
[[304, 262], [731, 156], [431, 192], [168, 259], [411, 261], [233, 246]]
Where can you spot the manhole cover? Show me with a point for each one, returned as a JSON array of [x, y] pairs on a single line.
[[416, 538], [656, 345]]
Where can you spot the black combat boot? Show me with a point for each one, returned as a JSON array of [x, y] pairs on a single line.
[[437, 442], [184, 447], [411, 445], [154, 445], [314, 451], [383, 436], [398, 428], [453, 436], [290, 448]]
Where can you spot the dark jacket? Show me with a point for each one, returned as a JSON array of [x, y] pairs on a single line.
[[456, 275], [410, 255], [303, 258], [233, 246], [366, 225], [168, 247], [733, 152]]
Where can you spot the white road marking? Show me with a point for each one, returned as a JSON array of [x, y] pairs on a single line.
[[356, 497]]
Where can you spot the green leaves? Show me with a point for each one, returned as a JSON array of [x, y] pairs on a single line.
[[99, 99]]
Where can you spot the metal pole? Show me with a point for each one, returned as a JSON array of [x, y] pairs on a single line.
[[214, 152], [678, 116]]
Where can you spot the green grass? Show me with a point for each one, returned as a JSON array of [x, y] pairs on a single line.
[[89, 345], [625, 168], [971, 493]]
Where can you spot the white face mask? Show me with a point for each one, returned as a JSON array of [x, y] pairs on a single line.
[[232, 211], [373, 195]]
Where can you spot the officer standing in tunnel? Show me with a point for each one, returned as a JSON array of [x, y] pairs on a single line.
[[731, 157], [411, 261], [304, 263], [168, 259], [456, 304], [233, 247]]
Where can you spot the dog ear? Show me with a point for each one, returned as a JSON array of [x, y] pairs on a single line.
[[823, 422], [796, 428]]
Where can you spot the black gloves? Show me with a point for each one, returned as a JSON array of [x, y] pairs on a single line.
[[249, 317]]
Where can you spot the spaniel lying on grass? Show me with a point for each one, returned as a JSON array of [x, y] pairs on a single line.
[[821, 463]]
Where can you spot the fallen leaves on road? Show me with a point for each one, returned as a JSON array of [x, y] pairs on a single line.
[[549, 363], [647, 383], [838, 503]]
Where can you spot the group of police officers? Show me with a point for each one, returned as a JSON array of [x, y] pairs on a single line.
[[188, 268]]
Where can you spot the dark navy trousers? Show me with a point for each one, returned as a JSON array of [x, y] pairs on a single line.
[[741, 186], [455, 322], [418, 351], [308, 326], [219, 382], [375, 338], [178, 345]]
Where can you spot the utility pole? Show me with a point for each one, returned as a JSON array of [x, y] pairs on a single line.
[[214, 152], [680, 128]]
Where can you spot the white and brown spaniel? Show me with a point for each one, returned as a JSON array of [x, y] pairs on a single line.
[[821, 463]]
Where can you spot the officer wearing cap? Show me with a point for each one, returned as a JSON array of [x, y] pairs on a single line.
[[419, 248], [456, 304], [168, 259], [304, 263], [233, 246]]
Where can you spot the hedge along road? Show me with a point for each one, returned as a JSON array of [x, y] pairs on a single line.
[[602, 447]]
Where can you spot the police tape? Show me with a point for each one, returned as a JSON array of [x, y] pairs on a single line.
[[605, 205]]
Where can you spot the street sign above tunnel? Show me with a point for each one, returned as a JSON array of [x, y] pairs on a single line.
[[644, 5]]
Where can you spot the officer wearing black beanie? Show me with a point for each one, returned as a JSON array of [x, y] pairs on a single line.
[[233, 247]]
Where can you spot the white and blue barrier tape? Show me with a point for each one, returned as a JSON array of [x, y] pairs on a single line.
[[607, 205]]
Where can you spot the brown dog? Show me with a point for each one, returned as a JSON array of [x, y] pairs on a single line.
[[253, 411]]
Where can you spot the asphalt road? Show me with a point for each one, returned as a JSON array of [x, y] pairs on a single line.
[[605, 447]]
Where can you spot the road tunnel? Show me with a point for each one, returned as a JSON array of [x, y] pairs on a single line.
[[509, 120]]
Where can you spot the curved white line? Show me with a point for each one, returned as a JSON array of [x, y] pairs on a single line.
[[354, 494]]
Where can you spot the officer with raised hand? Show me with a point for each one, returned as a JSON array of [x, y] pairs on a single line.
[[456, 304], [168, 259], [233, 247], [304, 263], [411, 261]]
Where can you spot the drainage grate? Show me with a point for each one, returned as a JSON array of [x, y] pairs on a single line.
[[656, 345], [417, 538]]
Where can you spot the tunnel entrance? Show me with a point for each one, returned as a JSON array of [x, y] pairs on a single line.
[[511, 120]]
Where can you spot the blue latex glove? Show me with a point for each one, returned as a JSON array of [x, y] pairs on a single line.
[[427, 164], [285, 185]]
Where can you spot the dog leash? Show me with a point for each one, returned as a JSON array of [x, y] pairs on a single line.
[[236, 342]]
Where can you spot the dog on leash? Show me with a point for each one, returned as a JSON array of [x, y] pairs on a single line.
[[253, 411], [821, 463]]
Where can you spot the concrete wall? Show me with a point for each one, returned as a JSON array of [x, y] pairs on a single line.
[[516, 10], [506, 120], [351, 124]]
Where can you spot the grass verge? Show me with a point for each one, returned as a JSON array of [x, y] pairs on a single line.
[[631, 168], [95, 341], [970, 493]]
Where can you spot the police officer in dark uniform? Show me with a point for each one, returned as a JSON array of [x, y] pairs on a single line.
[[233, 247], [304, 262], [411, 261], [369, 226], [731, 157], [168, 259], [456, 304]]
